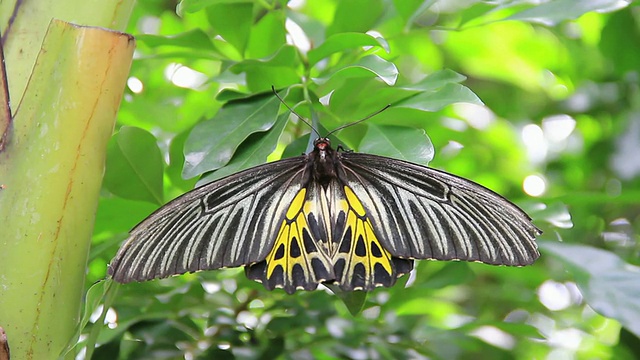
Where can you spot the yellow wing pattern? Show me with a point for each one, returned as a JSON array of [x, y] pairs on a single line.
[[303, 255], [360, 262]]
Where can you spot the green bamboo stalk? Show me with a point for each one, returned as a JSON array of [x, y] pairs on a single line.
[[52, 170], [23, 25]]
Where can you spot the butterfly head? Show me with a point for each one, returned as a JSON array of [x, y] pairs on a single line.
[[322, 146], [322, 143]]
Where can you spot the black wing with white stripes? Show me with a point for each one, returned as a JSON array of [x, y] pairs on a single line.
[[423, 213], [227, 223]]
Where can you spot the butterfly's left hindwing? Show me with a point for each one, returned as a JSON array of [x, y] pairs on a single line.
[[298, 258]]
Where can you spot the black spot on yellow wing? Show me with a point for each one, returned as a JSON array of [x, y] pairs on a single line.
[[294, 248], [360, 246], [295, 262], [361, 263], [279, 252]]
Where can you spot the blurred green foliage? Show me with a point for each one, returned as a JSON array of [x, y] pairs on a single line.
[[502, 92]]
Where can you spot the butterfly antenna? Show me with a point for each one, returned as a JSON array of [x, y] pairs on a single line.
[[293, 111], [359, 121]]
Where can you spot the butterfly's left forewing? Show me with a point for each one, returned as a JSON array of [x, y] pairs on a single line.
[[230, 222]]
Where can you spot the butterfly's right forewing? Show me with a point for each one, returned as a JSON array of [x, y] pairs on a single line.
[[423, 213]]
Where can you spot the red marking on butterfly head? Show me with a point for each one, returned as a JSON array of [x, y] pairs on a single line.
[[322, 143]]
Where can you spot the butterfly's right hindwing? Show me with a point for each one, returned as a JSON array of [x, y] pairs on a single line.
[[360, 260], [227, 223]]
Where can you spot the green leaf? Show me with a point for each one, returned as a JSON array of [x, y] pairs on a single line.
[[213, 142], [373, 96], [609, 285], [109, 219], [361, 96], [398, 142], [92, 300], [296, 148], [368, 66], [340, 42], [452, 273], [176, 162], [434, 101], [353, 300], [356, 16], [252, 152], [410, 10], [479, 13], [232, 21], [280, 70], [194, 39], [134, 166], [621, 29], [522, 330], [191, 6], [110, 289], [553, 12], [436, 80], [227, 95], [267, 36]]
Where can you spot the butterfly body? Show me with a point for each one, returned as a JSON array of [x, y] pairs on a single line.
[[323, 161], [354, 220]]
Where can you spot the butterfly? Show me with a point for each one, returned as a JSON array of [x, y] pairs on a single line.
[[354, 220]]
